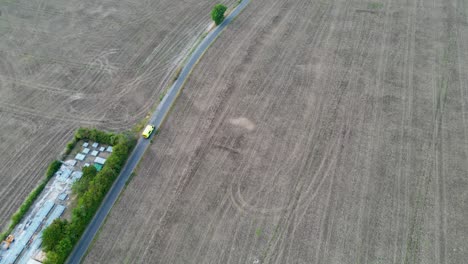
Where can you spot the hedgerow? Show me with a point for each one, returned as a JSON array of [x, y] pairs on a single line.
[[90, 190], [28, 202]]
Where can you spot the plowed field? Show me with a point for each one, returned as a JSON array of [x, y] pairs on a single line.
[[65, 64], [310, 132]]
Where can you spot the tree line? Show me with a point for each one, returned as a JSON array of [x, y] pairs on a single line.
[[61, 236]]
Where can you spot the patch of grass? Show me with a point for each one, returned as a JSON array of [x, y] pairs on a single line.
[[258, 232], [177, 73], [138, 127], [69, 147], [161, 96], [270, 243], [130, 178], [53, 168], [374, 5]]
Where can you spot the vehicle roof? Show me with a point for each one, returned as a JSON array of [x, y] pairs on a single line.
[[148, 128]]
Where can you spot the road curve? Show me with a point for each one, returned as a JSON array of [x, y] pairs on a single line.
[[156, 119]]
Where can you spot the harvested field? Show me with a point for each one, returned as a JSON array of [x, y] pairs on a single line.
[[65, 64], [310, 132]]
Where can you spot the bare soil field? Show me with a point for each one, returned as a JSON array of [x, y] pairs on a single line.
[[310, 132], [65, 64]]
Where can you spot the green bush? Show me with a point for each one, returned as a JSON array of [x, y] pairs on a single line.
[[53, 234], [53, 168], [70, 146], [217, 14], [79, 187], [27, 204]]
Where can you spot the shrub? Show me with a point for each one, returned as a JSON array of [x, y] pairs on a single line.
[[80, 186], [69, 147], [217, 14], [53, 234], [53, 168], [18, 215]]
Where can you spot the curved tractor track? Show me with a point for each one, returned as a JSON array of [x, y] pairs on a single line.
[[66, 64], [311, 132]]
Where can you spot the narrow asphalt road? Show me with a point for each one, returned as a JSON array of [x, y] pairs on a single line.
[[156, 119]]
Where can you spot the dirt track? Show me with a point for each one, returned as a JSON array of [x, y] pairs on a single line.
[[68, 64], [310, 132]]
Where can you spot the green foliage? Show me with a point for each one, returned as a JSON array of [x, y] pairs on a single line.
[[130, 178], [217, 14], [3, 235], [374, 5], [52, 258], [258, 232], [142, 123], [53, 234], [96, 135], [53, 168], [69, 147], [90, 190], [16, 218], [177, 73], [79, 187]]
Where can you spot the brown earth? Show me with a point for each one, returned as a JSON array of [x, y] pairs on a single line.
[[65, 64], [349, 143]]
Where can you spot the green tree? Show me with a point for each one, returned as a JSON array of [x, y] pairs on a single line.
[[52, 258], [64, 248], [217, 14], [53, 168], [81, 186], [53, 234]]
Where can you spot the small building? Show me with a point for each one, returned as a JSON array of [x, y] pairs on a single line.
[[70, 162], [94, 153], [86, 150], [62, 196], [98, 166], [63, 174], [99, 160], [76, 175], [80, 157]]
